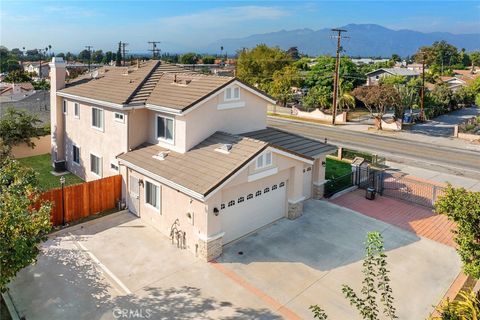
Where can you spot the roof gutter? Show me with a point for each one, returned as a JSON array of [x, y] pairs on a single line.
[[94, 101]]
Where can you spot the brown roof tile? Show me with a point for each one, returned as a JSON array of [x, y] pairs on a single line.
[[201, 169]]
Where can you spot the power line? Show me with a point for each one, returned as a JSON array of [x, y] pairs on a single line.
[[337, 67], [155, 50]]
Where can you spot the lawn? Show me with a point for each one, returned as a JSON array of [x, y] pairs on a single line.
[[43, 166], [336, 168]]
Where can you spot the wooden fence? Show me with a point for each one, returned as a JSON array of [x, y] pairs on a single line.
[[84, 199]]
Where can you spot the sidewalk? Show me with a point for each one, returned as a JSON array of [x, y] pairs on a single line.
[[434, 176]]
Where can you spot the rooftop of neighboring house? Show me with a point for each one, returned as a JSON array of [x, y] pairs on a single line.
[[396, 71], [466, 75]]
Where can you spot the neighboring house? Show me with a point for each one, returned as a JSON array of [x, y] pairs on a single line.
[[364, 61], [41, 70], [461, 78], [453, 83], [374, 76], [15, 91], [36, 102], [194, 150]]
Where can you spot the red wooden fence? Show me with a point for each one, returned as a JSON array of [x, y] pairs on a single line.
[[84, 199]]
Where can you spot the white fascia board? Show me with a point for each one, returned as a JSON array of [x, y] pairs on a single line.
[[93, 101], [163, 109], [162, 180]]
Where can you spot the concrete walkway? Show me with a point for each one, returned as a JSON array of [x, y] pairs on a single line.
[[416, 219]]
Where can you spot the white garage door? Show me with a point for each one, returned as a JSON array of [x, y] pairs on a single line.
[[251, 211]]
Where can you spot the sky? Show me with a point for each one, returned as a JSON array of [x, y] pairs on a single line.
[[186, 25]]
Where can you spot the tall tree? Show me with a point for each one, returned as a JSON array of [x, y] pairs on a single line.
[[377, 99], [256, 66], [18, 126], [293, 53], [23, 223], [282, 83], [189, 58], [118, 58]]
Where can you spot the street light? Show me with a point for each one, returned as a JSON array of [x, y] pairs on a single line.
[[62, 183]]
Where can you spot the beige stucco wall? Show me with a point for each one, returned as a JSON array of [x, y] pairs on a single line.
[[42, 146], [106, 144], [179, 125], [138, 127], [207, 119], [174, 205]]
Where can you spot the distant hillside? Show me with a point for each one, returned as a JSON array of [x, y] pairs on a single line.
[[365, 40]]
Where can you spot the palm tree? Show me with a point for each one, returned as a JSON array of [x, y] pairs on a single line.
[[345, 100]]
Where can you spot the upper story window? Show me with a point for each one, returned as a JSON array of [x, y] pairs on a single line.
[[232, 93], [76, 110], [119, 117], [65, 109], [264, 160], [165, 129], [97, 118]]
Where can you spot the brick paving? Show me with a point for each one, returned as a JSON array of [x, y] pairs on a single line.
[[414, 218]]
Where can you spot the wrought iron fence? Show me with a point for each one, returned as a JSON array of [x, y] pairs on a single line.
[[338, 184]]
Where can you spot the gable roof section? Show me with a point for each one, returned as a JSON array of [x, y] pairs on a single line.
[[201, 169], [396, 71], [292, 143]]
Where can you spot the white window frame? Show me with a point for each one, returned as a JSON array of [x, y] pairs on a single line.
[[172, 141], [65, 107], [100, 167], [159, 193], [263, 157], [122, 120], [73, 154], [76, 110], [102, 120], [231, 90]]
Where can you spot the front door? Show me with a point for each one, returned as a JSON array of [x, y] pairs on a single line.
[[134, 195]]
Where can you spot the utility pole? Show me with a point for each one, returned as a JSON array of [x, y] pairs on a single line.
[[422, 91], [123, 51], [89, 48], [155, 50], [337, 67]]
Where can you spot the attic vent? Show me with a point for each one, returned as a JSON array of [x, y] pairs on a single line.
[[161, 155], [224, 148]]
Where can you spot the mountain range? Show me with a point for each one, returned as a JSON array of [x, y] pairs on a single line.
[[365, 40]]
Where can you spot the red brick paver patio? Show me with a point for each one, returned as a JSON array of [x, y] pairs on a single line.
[[414, 218]]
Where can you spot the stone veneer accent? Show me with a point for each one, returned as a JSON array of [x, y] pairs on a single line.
[[318, 190], [295, 210], [209, 250]]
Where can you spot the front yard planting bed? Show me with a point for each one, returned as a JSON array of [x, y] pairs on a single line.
[[42, 164], [336, 168]]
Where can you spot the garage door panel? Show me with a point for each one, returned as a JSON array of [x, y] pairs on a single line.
[[247, 216]]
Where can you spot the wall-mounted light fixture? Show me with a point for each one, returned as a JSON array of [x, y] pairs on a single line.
[[140, 182], [189, 215], [215, 211], [324, 164]]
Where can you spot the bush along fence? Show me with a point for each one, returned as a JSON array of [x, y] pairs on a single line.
[[84, 200]]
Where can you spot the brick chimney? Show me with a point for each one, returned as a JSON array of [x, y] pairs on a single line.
[[57, 82]]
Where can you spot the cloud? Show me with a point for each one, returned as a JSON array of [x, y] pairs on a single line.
[[69, 11]]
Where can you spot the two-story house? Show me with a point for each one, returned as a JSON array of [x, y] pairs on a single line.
[[194, 151]]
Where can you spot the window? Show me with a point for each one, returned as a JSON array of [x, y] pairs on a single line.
[[250, 196], [96, 165], [152, 194], [266, 190], [258, 193], [274, 187], [222, 206], [114, 166], [282, 184], [241, 199], [65, 109], [97, 118], [76, 110], [231, 203], [76, 154], [165, 128], [232, 93], [264, 160], [119, 117]]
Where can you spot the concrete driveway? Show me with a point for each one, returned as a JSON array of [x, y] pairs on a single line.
[[118, 267], [442, 126]]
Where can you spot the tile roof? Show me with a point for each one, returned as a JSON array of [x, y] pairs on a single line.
[[301, 146], [182, 90], [118, 84], [200, 169]]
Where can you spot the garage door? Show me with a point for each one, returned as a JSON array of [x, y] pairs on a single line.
[[251, 211]]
